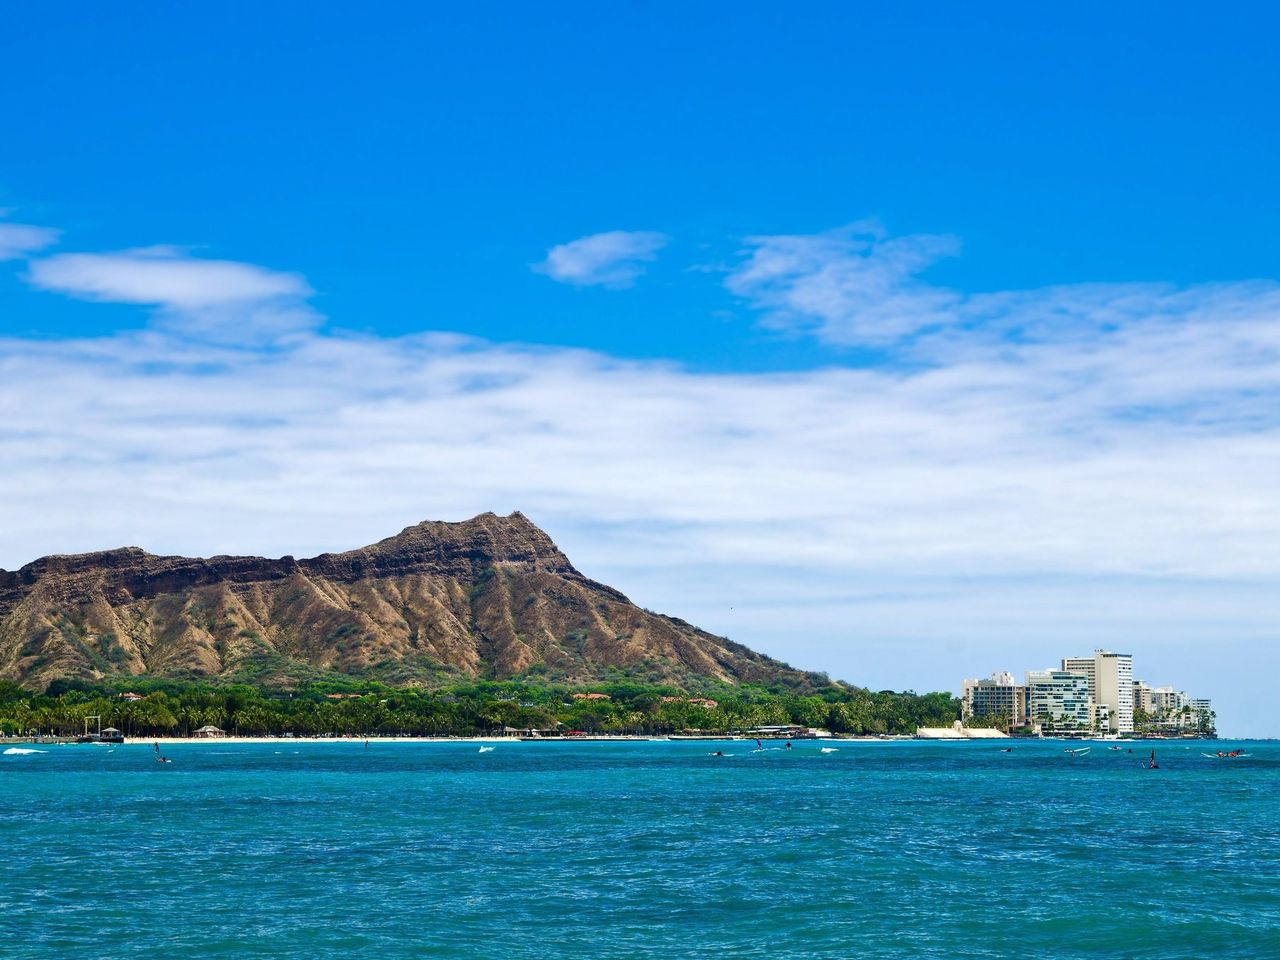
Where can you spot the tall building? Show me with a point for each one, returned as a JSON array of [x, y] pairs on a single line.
[[1086, 665], [1201, 711], [1060, 698], [1000, 696], [1142, 697], [1110, 678], [1166, 701]]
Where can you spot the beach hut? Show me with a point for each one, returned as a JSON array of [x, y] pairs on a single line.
[[209, 730]]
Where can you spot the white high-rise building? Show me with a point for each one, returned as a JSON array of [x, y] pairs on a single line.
[[1115, 688], [1110, 678], [1060, 697]]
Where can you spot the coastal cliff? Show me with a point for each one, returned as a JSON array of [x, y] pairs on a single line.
[[488, 597]]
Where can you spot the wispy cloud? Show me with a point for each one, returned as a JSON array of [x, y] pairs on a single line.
[[853, 285], [219, 298], [614, 259], [19, 240]]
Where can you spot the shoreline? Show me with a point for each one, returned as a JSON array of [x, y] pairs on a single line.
[[597, 738], [356, 740]]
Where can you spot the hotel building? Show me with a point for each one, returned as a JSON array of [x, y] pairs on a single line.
[[999, 696], [1059, 697], [1110, 678], [1166, 701], [1142, 696]]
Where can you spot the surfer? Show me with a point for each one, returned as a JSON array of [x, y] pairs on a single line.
[[759, 745], [1006, 749], [788, 744], [717, 753], [1151, 764]]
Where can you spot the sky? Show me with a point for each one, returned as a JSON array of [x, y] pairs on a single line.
[[902, 342]]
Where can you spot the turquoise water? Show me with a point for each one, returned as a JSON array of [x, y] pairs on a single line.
[[638, 850]]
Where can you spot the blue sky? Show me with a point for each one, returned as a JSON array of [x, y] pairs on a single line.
[[406, 156], [904, 342]]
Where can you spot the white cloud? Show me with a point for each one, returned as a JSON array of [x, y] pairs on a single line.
[[1088, 465], [18, 240], [219, 298], [162, 276], [614, 259]]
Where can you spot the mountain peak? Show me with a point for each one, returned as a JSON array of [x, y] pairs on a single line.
[[466, 547], [491, 596]]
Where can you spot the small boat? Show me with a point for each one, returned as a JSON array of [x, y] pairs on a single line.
[[1115, 748], [1231, 755]]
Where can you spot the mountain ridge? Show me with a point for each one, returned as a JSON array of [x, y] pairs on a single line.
[[489, 597]]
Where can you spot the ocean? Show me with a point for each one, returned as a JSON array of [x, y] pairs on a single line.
[[639, 850]]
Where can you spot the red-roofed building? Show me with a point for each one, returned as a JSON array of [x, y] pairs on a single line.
[[692, 701]]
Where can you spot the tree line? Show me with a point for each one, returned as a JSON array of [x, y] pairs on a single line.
[[173, 708]]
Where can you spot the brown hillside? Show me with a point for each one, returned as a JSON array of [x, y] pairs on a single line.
[[488, 597]]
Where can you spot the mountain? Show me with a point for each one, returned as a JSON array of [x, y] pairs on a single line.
[[490, 597]]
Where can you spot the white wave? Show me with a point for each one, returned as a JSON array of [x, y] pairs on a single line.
[[21, 752], [485, 749], [829, 749]]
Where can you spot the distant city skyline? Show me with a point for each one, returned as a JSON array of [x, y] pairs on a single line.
[[1097, 692], [885, 343]]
